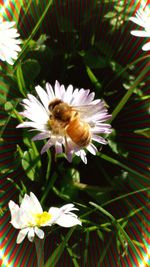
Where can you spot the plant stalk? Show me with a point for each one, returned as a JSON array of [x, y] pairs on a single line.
[[39, 245]]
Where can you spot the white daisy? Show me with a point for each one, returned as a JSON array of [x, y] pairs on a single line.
[[67, 118], [29, 217], [9, 42], [142, 18]]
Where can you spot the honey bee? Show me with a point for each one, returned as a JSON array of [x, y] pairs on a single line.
[[65, 120]]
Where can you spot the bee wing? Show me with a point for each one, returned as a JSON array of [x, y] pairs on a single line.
[[88, 109]]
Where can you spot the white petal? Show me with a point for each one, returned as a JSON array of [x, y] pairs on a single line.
[[68, 94], [68, 207], [68, 221], [146, 47], [15, 214], [57, 90], [34, 125], [63, 216], [13, 207], [55, 213], [22, 234], [43, 96], [137, 21], [39, 117], [50, 91], [141, 33], [9, 47], [39, 232], [35, 203], [30, 205], [31, 234], [92, 149]]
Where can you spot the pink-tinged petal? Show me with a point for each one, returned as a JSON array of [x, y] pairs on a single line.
[[57, 90], [81, 153], [58, 148], [62, 91], [99, 139], [80, 100], [146, 47], [89, 98], [47, 146], [69, 149], [50, 91], [68, 94], [92, 149], [22, 234], [69, 155], [41, 136]]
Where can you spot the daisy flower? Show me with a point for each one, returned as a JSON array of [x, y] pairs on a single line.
[[30, 217], [142, 18], [9, 42], [69, 119]]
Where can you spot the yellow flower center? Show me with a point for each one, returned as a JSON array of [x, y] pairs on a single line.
[[42, 218]]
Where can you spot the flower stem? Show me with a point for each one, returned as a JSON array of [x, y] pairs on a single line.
[[39, 245], [128, 93], [34, 31]]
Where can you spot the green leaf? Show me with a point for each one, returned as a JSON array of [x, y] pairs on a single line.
[[54, 258], [35, 29], [73, 257], [31, 69], [127, 95], [39, 44], [94, 60], [117, 162], [145, 132], [110, 14], [115, 145], [122, 233], [31, 164], [93, 78], [20, 80]]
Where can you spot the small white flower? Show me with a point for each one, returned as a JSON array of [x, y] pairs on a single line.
[[29, 217], [142, 18], [83, 123], [9, 42]]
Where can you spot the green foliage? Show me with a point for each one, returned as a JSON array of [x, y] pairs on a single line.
[[105, 179], [31, 164]]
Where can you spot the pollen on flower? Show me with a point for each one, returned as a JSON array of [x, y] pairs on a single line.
[[42, 218]]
